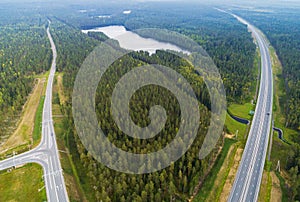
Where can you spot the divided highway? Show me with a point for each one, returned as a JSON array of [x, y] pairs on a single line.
[[248, 179], [46, 154]]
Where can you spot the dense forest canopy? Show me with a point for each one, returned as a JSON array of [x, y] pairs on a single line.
[[233, 55], [225, 39]]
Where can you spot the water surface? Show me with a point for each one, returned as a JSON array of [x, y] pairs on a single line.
[[132, 41]]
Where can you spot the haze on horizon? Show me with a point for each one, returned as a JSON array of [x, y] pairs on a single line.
[[206, 2]]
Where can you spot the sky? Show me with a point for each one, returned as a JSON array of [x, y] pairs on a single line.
[[213, 2]]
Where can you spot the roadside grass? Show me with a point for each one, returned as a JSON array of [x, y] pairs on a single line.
[[283, 186], [241, 111], [233, 126], [24, 135], [36, 134], [276, 193], [280, 150], [257, 69], [37, 131], [209, 182], [72, 180], [63, 98], [222, 175], [231, 175], [279, 97], [266, 184], [22, 184], [45, 76]]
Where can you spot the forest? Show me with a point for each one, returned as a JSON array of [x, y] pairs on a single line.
[[24, 53], [225, 40], [233, 56]]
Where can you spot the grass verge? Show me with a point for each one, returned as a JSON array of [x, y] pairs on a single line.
[[37, 130], [208, 184], [223, 173], [284, 189], [266, 184], [233, 126], [241, 111], [72, 180]]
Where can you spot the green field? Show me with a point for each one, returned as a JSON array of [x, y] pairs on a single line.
[[23, 184], [241, 111], [233, 126]]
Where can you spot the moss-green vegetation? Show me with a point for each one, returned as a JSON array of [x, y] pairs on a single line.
[[23, 184], [223, 174]]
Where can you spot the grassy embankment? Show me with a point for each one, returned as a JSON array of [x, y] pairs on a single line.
[[218, 173], [76, 187]]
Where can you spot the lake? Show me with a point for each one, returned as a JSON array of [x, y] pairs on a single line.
[[132, 41]]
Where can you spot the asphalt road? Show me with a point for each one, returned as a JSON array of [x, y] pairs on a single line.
[[46, 154], [248, 179]]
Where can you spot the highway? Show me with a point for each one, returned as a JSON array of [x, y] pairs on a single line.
[[248, 179], [46, 154]]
